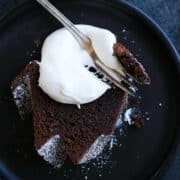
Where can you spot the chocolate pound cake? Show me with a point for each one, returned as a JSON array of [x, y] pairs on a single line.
[[63, 130], [130, 64]]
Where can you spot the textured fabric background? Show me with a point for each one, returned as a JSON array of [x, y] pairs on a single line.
[[167, 14]]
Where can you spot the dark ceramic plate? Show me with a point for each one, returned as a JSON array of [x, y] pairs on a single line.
[[144, 152]]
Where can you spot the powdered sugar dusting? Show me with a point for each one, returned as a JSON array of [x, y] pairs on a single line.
[[124, 30], [53, 151], [119, 121], [97, 166], [148, 118], [22, 96], [127, 116], [19, 94], [113, 142], [103, 160], [95, 149], [132, 89]]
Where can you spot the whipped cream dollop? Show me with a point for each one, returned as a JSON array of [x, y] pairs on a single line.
[[63, 75]]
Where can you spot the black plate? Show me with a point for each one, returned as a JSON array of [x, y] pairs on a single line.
[[144, 150]]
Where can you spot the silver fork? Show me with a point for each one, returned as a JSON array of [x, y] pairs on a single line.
[[115, 77]]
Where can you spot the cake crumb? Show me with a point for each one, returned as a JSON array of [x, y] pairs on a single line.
[[138, 120], [37, 42]]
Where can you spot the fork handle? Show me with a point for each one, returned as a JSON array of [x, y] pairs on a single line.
[[82, 39]]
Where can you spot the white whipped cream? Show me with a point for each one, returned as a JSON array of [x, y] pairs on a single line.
[[63, 76]]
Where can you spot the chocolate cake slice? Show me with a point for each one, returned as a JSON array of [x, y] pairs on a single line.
[[130, 64], [62, 130]]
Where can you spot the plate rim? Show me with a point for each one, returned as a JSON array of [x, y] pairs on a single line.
[[170, 157]]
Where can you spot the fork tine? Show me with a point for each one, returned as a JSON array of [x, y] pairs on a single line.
[[121, 86], [114, 74], [125, 72], [126, 81], [105, 71]]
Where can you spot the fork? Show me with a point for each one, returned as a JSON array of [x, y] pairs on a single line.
[[115, 77]]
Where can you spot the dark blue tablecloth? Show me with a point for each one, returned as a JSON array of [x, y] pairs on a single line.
[[167, 14]]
